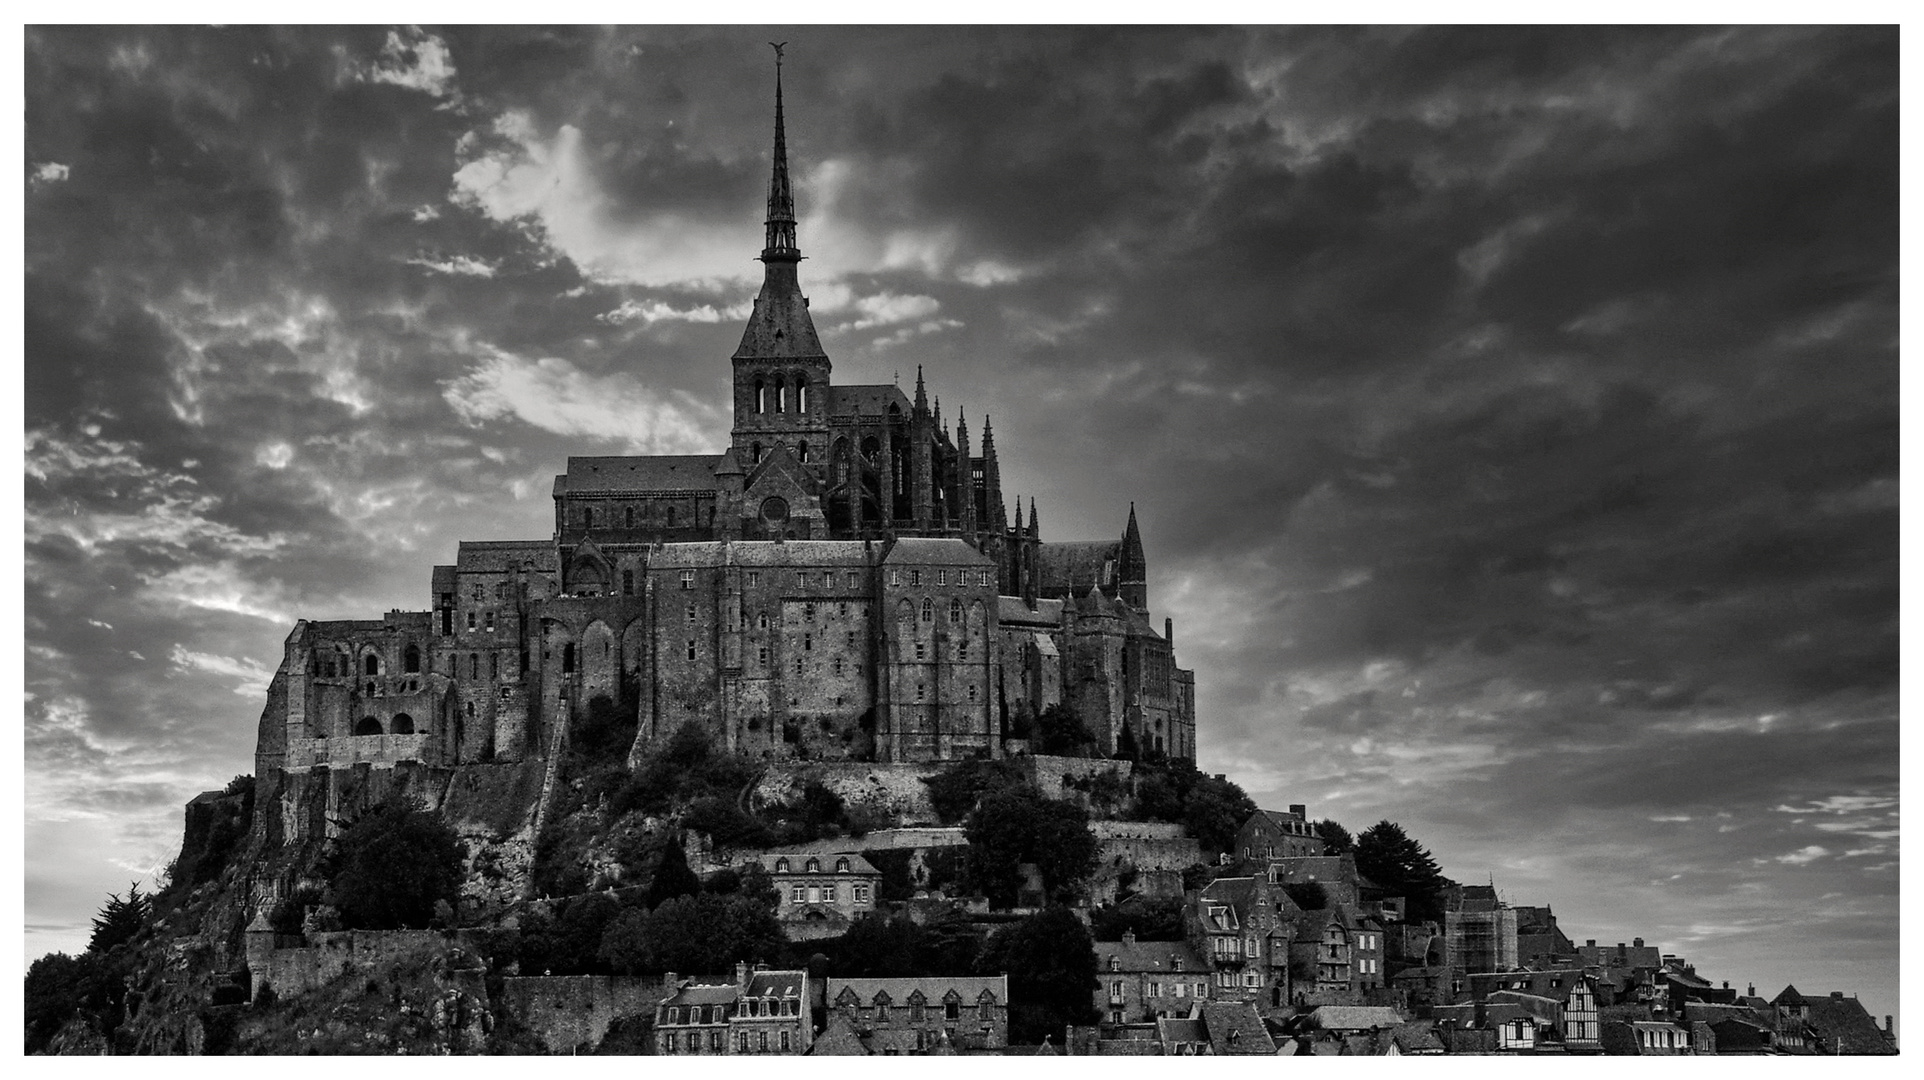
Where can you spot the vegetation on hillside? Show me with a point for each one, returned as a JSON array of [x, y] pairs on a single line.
[[1211, 808], [1389, 857], [1017, 825], [1051, 963], [393, 867]]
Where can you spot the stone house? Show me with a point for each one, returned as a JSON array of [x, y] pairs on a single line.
[[915, 1015], [819, 895], [1271, 834], [759, 1012], [1138, 982], [1242, 927]]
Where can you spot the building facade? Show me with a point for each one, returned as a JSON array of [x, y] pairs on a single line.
[[919, 1014], [759, 1012]]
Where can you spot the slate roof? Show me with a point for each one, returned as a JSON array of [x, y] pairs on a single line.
[[694, 993], [779, 327], [1073, 566], [1014, 612], [838, 1039], [934, 551], [1536, 1005], [934, 988], [1180, 1029], [866, 400], [777, 984], [655, 473], [856, 864], [1147, 956], [1846, 1027], [1354, 1017], [1236, 1028]]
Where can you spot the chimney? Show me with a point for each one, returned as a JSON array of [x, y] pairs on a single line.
[[670, 981], [1128, 937], [741, 974], [1751, 991], [1301, 810], [1638, 942], [1590, 944], [1887, 1023], [1836, 995], [1726, 984]]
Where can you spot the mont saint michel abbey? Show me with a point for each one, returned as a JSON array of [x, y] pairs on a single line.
[[844, 582]]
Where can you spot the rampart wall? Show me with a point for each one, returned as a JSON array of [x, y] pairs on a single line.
[[573, 1012]]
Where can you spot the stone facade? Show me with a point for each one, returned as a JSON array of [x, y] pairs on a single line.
[[844, 582]]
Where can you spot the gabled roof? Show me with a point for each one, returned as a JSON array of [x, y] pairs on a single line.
[[1844, 1024], [777, 984], [934, 551], [1236, 1028], [1012, 610], [1788, 996], [1073, 567], [827, 860], [1179, 1029], [655, 473], [504, 556], [1543, 1008], [933, 988], [1148, 957], [866, 400], [1353, 1017], [694, 993]]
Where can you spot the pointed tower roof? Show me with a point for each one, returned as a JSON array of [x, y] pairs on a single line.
[[921, 394], [962, 435], [779, 328], [1035, 530], [1131, 536]]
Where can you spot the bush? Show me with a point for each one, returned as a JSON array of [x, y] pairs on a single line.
[[955, 790], [727, 824], [1058, 730], [1018, 826], [391, 865], [1149, 920], [1051, 963]]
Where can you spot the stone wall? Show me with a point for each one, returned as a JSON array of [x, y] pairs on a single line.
[[1137, 830], [296, 971], [1048, 772], [881, 791], [573, 1012]]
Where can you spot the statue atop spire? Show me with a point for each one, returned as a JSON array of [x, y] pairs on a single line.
[[780, 242]]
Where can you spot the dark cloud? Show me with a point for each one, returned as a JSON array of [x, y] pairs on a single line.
[[1510, 412]]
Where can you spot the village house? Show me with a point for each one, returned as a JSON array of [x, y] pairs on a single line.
[[760, 1012], [1141, 981], [916, 1015], [1273, 834], [1242, 927], [819, 895]]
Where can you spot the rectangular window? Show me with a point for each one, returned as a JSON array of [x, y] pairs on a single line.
[[941, 577], [490, 622], [895, 577], [851, 579], [754, 581], [668, 1042], [470, 620], [1181, 989], [761, 654], [921, 651], [801, 579], [828, 894], [691, 648], [915, 577], [1202, 989], [828, 579], [798, 894], [687, 579], [1155, 989], [861, 894]]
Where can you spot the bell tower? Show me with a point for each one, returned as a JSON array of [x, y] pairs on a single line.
[[781, 373]]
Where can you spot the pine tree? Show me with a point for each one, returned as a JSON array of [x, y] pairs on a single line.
[[672, 876], [119, 920], [1388, 856], [1336, 839]]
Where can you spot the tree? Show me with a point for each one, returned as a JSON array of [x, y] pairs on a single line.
[[954, 791], [1388, 856], [1051, 964], [1150, 920], [391, 865], [672, 877], [697, 934], [879, 946], [1214, 810], [119, 920], [1060, 731], [1018, 825], [1336, 839], [58, 987]]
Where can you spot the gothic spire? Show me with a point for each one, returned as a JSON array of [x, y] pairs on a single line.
[[921, 395], [780, 243]]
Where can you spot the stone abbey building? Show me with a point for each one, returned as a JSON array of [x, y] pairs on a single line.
[[843, 582]]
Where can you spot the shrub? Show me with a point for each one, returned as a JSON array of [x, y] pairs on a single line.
[[391, 865]]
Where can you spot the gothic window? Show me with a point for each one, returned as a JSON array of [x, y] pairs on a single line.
[[928, 610], [627, 583], [567, 658], [373, 664], [628, 517], [474, 665], [955, 613], [587, 518], [368, 726], [411, 660]]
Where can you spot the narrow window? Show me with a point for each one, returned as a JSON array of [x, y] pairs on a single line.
[[755, 453], [587, 518], [691, 613], [921, 651], [961, 650], [808, 612], [801, 404], [761, 654], [627, 583], [671, 517], [798, 665], [761, 621], [928, 610], [754, 579], [494, 665], [761, 406], [411, 660], [628, 517], [838, 665], [915, 578], [781, 394], [808, 642], [972, 692], [801, 579], [474, 665], [567, 658], [490, 622], [470, 620], [691, 648], [955, 613], [919, 690], [941, 577], [373, 664], [687, 579], [851, 584], [804, 450], [895, 577]]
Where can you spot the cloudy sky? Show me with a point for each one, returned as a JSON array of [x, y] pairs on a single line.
[[1512, 415]]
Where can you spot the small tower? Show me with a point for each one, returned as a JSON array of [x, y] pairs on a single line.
[[1133, 573], [965, 482]]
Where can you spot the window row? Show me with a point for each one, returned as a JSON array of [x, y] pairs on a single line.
[[982, 578], [673, 517], [786, 392], [826, 894]]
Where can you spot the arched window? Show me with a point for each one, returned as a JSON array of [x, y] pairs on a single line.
[[928, 610], [368, 726], [781, 866], [671, 517], [761, 397], [755, 453], [801, 395], [955, 613], [814, 866], [587, 517], [403, 724], [474, 665], [781, 395], [567, 658], [841, 866], [804, 450], [372, 664], [411, 660]]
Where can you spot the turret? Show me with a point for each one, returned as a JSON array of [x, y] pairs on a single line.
[[995, 516], [965, 483], [1133, 573]]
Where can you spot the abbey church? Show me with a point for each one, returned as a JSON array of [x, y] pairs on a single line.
[[844, 582]]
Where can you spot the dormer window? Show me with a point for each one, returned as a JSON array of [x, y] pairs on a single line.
[[781, 866], [841, 866]]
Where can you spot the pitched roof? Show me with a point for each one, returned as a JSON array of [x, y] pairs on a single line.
[[1543, 1008], [1147, 956], [1073, 567], [934, 551], [779, 327], [933, 987], [866, 400], [838, 1039], [502, 556], [1012, 610], [758, 553], [1845, 1026], [694, 993], [779, 984], [1353, 1017], [797, 863], [1180, 1029], [655, 473], [1236, 1028]]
